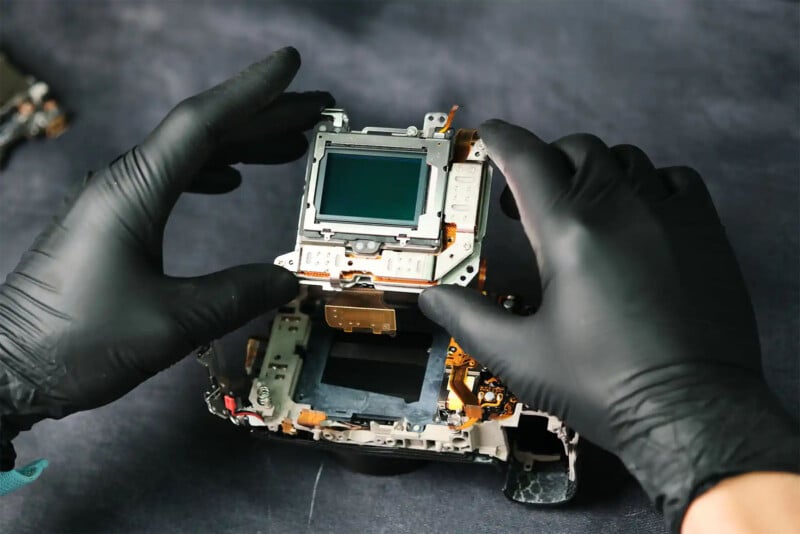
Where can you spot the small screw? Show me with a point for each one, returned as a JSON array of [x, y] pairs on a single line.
[[263, 396]]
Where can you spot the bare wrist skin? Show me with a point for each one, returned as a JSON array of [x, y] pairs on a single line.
[[748, 503]]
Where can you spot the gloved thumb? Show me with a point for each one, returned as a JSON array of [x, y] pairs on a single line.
[[210, 306], [479, 326]]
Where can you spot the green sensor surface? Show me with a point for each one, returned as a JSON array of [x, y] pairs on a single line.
[[373, 187]]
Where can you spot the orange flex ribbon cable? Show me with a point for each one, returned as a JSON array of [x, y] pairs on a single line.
[[449, 120]]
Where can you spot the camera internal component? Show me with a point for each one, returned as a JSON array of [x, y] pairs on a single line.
[[26, 108], [352, 363], [395, 210]]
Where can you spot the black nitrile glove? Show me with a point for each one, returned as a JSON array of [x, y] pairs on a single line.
[[88, 313], [645, 341]]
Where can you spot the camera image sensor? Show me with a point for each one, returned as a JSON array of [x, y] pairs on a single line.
[[372, 187], [389, 210]]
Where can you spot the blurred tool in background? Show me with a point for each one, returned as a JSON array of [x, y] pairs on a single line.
[[26, 109]]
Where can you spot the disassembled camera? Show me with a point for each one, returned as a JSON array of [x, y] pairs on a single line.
[[26, 108], [352, 363]]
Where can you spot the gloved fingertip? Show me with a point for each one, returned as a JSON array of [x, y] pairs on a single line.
[[492, 127], [497, 134], [288, 52], [215, 181], [326, 99], [493, 122], [269, 151], [283, 285], [470, 317], [234, 296], [427, 299], [435, 301]]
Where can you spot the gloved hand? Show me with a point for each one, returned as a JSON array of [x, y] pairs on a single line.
[[645, 341], [88, 313]]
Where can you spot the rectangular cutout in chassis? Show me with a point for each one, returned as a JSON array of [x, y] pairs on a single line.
[[380, 364]]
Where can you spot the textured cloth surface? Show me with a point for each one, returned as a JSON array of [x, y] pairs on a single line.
[[711, 85]]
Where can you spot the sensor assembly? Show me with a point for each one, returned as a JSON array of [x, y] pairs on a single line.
[[351, 363]]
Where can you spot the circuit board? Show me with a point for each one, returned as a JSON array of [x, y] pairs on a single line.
[[470, 392]]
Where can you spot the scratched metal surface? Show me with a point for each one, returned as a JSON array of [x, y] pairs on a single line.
[[713, 85]]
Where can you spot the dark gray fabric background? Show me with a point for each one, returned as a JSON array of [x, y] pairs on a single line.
[[709, 84]]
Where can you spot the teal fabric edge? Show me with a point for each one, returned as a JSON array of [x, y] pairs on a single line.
[[17, 478]]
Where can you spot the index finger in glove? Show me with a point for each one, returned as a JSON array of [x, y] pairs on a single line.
[[288, 113], [274, 134], [179, 146]]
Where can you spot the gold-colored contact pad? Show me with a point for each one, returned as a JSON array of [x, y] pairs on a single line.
[[361, 310]]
